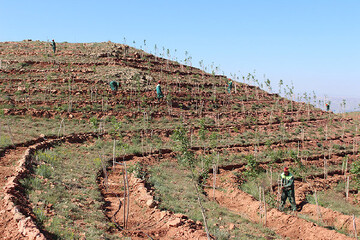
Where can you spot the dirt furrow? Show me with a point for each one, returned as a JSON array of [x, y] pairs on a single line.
[[144, 218], [8, 225], [16, 214], [289, 226]]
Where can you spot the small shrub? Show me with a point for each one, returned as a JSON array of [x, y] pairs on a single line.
[[31, 183], [252, 167], [44, 170], [138, 170], [40, 216], [355, 169]]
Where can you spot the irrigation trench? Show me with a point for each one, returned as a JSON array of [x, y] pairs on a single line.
[[16, 221]]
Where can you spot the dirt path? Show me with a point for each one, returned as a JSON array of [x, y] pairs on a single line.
[[145, 219], [8, 225]]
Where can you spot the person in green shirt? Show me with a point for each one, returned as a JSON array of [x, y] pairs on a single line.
[[229, 86], [114, 86], [159, 93], [288, 190], [53, 44]]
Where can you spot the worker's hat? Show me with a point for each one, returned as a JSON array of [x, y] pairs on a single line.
[[286, 169], [159, 82]]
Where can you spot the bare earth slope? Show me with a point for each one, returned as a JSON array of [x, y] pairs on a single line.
[[250, 131]]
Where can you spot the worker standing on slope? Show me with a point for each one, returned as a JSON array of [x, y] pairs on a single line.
[[288, 191], [53, 45], [327, 106], [229, 86], [114, 86], [159, 93]]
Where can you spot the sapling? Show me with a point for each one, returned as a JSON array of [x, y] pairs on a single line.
[[280, 85], [316, 201], [61, 125], [271, 179], [325, 168], [126, 196], [235, 84], [268, 84], [70, 100], [105, 172], [91, 94], [187, 157], [278, 195], [354, 146], [326, 132], [345, 165], [215, 169], [262, 206], [142, 142], [10, 134], [114, 152], [102, 104]]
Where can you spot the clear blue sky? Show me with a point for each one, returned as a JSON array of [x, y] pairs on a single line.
[[313, 43]]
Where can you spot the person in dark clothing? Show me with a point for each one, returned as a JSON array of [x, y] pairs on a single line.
[[53, 45], [288, 190], [230, 85], [114, 86], [159, 93]]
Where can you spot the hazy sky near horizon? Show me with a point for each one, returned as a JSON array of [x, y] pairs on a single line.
[[314, 44]]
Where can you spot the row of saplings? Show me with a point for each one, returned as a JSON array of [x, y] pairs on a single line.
[[286, 182]]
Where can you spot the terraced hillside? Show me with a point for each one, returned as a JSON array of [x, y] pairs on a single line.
[[79, 161]]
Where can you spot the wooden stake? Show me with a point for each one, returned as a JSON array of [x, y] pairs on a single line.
[[325, 166], [278, 198], [114, 152], [128, 196], [317, 206], [347, 187], [271, 180], [354, 225], [354, 146], [264, 201], [326, 132]]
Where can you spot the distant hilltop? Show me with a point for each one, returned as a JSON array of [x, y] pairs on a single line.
[[351, 104]]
